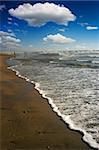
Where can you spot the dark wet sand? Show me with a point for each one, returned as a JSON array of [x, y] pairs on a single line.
[[27, 121]]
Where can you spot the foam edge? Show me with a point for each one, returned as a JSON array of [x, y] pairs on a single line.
[[86, 137]]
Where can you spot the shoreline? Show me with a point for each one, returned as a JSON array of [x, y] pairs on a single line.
[[79, 144], [55, 109]]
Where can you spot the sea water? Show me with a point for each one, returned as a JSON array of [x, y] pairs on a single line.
[[70, 82]]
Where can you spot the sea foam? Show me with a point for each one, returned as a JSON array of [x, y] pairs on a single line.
[[66, 118]]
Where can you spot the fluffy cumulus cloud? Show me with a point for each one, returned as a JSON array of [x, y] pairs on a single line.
[[92, 28], [8, 41], [39, 14], [58, 38]]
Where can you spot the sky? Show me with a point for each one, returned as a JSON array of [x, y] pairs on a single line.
[[49, 25]]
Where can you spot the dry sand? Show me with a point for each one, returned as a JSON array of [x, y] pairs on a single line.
[[27, 121]]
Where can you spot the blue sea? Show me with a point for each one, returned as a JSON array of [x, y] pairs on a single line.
[[70, 82]]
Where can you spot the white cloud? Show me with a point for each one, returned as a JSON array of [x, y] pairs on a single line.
[[81, 47], [58, 38], [8, 41], [92, 28], [39, 14], [11, 33], [2, 33], [62, 30], [9, 22], [2, 7], [11, 39], [9, 30], [10, 19]]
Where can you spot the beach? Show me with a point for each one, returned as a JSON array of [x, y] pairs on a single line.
[[27, 121]]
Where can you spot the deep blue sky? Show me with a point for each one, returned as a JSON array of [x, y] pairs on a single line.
[[86, 12]]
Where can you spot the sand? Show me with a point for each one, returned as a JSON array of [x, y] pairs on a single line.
[[27, 121]]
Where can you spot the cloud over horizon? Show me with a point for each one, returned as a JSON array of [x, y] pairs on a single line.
[[39, 14], [58, 38], [8, 41]]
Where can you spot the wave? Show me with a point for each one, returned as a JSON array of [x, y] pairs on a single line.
[[95, 62], [83, 60], [66, 118]]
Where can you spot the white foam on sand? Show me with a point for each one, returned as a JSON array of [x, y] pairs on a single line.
[[86, 137]]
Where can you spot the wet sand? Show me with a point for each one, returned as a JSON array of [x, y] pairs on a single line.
[[27, 121]]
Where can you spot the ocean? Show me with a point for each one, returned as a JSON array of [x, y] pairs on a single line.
[[70, 82]]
